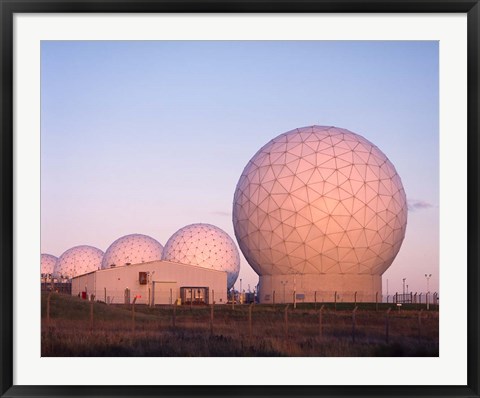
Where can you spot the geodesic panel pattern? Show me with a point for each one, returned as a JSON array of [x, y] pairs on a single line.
[[47, 264], [206, 246], [319, 200], [132, 249], [78, 260]]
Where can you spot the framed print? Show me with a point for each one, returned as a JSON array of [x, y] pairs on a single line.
[[270, 198]]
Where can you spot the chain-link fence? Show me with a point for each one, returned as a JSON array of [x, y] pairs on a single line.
[[157, 294], [322, 296]]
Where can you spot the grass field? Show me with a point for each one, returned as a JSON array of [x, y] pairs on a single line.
[[77, 327]]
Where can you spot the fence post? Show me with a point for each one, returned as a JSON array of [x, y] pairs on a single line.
[[105, 294], [396, 298], [286, 322], [171, 296], [174, 317], [91, 315], [355, 299], [354, 323], [320, 321], [335, 301], [48, 309], [427, 298], [191, 299], [250, 320], [315, 300], [133, 314], [420, 323], [211, 318], [376, 301], [153, 294], [387, 325], [415, 298]]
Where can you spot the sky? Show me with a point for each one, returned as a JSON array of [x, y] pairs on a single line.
[[150, 136]]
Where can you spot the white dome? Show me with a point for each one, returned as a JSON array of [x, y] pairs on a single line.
[[319, 200], [47, 264], [78, 260], [206, 246], [132, 249]]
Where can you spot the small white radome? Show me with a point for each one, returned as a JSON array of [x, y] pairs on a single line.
[[207, 246], [78, 260], [47, 264], [132, 249]]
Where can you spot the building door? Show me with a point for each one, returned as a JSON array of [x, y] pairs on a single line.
[[165, 292]]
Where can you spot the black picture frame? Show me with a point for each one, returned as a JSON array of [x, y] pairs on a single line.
[[10, 7]]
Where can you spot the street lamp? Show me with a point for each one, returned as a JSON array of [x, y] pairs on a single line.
[[428, 281], [427, 277]]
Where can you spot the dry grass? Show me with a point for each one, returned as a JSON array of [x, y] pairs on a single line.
[[70, 332]]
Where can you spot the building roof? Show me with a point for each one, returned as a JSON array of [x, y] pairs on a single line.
[[157, 263]]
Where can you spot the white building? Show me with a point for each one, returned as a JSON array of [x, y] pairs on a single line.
[[156, 282]]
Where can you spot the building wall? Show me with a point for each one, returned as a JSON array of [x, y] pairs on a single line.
[[320, 288], [84, 283], [163, 286]]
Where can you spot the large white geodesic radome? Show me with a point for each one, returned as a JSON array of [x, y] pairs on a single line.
[[78, 260], [320, 201], [132, 249], [206, 246], [47, 264]]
